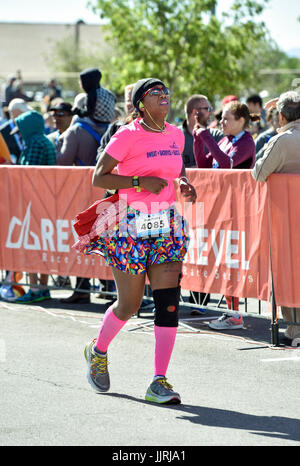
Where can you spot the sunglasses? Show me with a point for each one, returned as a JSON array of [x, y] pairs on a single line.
[[157, 91], [208, 109], [60, 114]]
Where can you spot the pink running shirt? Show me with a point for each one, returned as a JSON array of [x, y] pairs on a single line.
[[144, 153]]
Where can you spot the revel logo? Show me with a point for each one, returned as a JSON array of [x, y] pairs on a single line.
[[30, 240]]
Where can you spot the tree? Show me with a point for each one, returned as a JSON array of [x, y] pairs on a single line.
[[182, 43]]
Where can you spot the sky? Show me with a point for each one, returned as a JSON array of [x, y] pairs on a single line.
[[280, 16]]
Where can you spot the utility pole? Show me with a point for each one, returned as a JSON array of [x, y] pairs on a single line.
[[214, 9], [77, 41]]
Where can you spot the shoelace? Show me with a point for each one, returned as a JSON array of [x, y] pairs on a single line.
[[165, 384], [99, 364]]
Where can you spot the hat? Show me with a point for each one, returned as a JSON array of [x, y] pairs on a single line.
[[141, 87], [229, 98], [62, 106], [90, 79], [104, 105], [80, 101], [18, 104]]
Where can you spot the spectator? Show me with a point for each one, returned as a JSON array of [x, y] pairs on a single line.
[[10, 89], [62, 116], [4, 152], [235, 150], [197, 106], [255, 105], [51, 91], [263, 138], [229, 98], [19, 92], [282, 156], [216, 123], [13, 141], [100, 102], [38, 151], [109, 285], [79, 143]]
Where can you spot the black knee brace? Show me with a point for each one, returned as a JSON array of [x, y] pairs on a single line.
[[166, 306]]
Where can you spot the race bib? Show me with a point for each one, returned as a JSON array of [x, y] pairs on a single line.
[[152, 224]]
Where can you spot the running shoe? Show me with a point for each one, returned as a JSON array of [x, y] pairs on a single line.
[[199, 310], [160, 391], [45, 294], [7, 293], [30, 297], [228, 321], [97, 372]]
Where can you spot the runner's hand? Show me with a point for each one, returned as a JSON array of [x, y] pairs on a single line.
[[154, 184], [188, 191]]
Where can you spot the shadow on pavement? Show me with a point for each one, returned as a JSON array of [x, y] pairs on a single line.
[[269, 426]]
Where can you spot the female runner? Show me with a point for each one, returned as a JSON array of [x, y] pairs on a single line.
[[152, 237]]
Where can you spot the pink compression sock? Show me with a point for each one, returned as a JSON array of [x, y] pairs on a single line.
[[164, 343], [111, 325]]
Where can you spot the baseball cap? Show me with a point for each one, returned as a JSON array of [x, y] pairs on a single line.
[[18, 104], [62, 106], [229, 98]]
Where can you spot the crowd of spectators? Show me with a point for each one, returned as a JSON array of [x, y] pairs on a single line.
[[239, 134]]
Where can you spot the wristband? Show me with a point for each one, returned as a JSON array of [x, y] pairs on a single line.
[[136, 183], [183, 178]]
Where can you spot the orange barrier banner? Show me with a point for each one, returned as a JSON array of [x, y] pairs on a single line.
[[228, 252], [284, 215], [37, 213]]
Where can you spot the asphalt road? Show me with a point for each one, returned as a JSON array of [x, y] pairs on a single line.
[[236, 389]]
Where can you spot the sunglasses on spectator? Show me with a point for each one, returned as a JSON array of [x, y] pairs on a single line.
[[60, 114], [208, 109], [156, 91]]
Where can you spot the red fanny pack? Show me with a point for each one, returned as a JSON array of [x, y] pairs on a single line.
[[101, 216]]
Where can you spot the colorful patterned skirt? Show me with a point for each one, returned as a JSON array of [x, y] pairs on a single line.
[[124, 249]]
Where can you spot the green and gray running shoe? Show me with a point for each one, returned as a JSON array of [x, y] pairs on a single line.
[[160, 391], [97, 372]]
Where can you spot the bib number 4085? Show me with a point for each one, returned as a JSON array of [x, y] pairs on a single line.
[[152, 224]]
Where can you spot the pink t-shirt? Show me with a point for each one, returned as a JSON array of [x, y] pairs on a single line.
[[144, 153]]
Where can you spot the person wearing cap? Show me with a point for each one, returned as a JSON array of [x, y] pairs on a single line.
[[236, 150], [62, 116], [38, 150], [197, 109], [79, 143], [150, 239], [13, 141], [281, 155], [93, 111]]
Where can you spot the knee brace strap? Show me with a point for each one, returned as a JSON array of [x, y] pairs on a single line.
[[166, 306]]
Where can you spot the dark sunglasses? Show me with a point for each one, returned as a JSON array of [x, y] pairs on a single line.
[[208, 109], [157, 91], [60, 114]]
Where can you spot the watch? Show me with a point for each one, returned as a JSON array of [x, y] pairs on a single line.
[[136, 183]]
